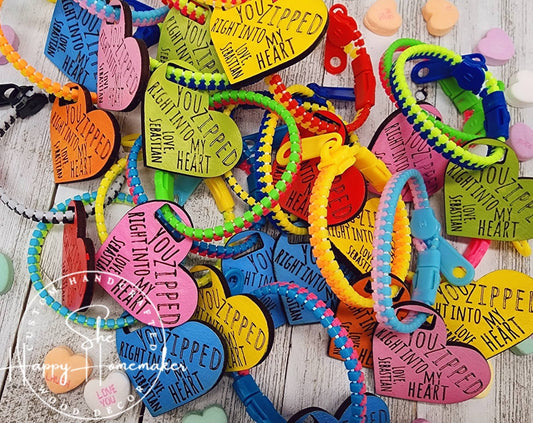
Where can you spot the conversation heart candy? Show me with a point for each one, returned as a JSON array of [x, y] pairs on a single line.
[[242, 320], [263, 36], [213, 414], [523, 348], [496, 46], [361, 322], [84, 140], [6, 273], [108, 398], [64, 370], [171, 367], [143, 272], [182, 135], [123, 64], [78, 260], [382, 18], [401, 147], [521, 141], [440, 16], [492, 203], [185, 39], [492, 314], [252, 269], [422, 366], [376, 411], [13, 39], [72, 43], [519, 91]]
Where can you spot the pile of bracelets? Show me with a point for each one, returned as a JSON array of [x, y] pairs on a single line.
[[272, 210]]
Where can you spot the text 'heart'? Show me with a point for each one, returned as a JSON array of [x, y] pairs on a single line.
[[263, 36], [492, 203], [182, 135], [150, 283], [171, 367], [422, 366]]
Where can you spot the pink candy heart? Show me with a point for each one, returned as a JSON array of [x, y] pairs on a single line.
[[496, 46], [521, 141], [13, 39]]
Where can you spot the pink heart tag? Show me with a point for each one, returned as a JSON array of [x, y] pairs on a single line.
[[521, 141], [496, 46], [123, 64], [421, 366], [152, 286], [401, 147]]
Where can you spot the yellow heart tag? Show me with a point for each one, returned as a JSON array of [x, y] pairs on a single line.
[[264, 36], [491, 314]]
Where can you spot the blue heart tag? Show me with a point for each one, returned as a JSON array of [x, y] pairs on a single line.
[[72, 43], [171, 367], [294, 262], [253, 269]]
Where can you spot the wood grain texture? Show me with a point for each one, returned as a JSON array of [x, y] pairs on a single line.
[[297, 373]]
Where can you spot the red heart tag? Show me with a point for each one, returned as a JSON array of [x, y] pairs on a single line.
[[84, 141], [422, 366], [78, 261], [123, 63]]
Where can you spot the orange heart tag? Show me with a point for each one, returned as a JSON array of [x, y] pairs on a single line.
[[84, 141], [64, 370]]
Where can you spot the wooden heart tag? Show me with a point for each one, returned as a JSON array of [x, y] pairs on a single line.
[[182, 135], [85, 141], [123, 64], [264, 36]]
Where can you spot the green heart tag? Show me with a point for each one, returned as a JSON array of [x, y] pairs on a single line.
[[185, 39], [182, 135], [492, 203]]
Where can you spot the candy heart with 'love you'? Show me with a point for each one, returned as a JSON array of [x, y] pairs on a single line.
[[496, 46], [108, 398]]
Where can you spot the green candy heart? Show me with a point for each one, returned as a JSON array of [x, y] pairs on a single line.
[[6, 273], [492, 203], [213, 414]]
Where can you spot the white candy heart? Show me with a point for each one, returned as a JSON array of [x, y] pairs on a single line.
[[519, 92], [108, 398]]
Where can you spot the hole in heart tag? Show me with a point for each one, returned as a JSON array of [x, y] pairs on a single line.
[[185, 39], [382, 18], [213, 414], [294, 262], [376, 411], [354, 238], [108, 398], [493, 203], [263, 36], [440, 16], [182, 135], [401, 147], [242, 320], [150, 283], [422, 366], [171, 367], [123, 64], [64, 370], [252, 269], [347, 194], [496, 46], [491, 314], [361, 322], [78, 260], [84, 140], [72, 43]]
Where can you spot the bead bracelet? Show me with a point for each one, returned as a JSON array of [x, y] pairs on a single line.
[[335, 159], [139, 197], [258, 406], [267, 203], [187, 5], [34, 268], [108, 13], [435, 254], [471, 74]]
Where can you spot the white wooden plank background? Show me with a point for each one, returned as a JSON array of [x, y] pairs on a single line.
[[297, 373]]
